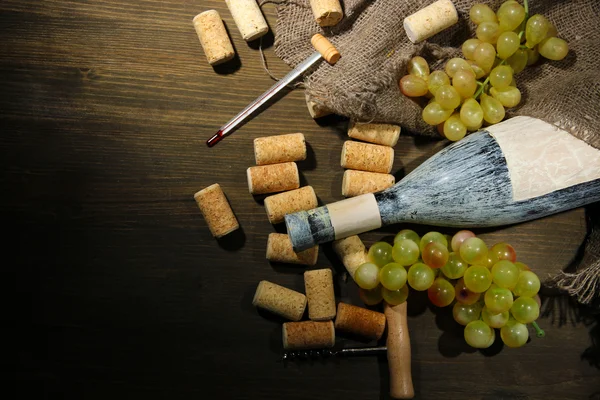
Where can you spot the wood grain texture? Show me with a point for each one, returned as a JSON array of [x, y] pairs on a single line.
[[119, 289]]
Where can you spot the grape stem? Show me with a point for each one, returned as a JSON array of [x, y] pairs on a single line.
[[526, 6], [539, 332]]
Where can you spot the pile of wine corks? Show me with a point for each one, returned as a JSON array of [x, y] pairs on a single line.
[[368, 165], [319, 330], [276, 171], [252, 25]]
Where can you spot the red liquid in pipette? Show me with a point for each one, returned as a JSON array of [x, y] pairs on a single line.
[[216, 138]]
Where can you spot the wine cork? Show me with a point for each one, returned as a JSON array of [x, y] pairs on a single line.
[[278, 205], [279, 149], [216, 210], [327, 12], [359, 321], [213, 37], [383, 134], [273, 178], [279, 249], [356, 183], [430, 20], [352, 252], [308, 335], [248, 18], [367, 157], [280, 300], [316, 110], [327, 50], [318, 285]]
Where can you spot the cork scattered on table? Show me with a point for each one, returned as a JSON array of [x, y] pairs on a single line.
[[318, 285], [248, 18], [352, 252], [356, 183], [325, 48], [279, 249], [327, 12], [216, 210], [430, 20], [278, 205], [273, 178], [367, 157], [213, 37], [383, 134], [280, 300], [315, 109], [279, 149], [308, 335], [359, 321]]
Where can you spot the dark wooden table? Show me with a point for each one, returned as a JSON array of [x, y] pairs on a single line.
[[119, 289]]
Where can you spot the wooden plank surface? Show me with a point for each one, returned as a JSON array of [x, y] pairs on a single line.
[[121, 292]]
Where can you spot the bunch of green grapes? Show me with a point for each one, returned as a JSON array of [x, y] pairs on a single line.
[[476, 90], [489, 288]]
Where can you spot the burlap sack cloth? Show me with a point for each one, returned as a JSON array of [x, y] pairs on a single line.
[[363, 85]]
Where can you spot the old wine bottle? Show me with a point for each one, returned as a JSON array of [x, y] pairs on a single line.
[[515, 171]]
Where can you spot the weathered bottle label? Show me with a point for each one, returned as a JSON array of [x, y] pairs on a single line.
[[355, 215]]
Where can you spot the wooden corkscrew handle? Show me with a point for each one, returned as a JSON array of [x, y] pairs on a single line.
[[398, 353], [324, 46]]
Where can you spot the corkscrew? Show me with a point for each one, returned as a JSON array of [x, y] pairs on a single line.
[[307, 355]]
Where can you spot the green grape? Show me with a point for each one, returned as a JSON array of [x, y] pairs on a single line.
[[459, 237], [469, 46], [525, 310], [494, 320], [371, 297], [455, 267], [448, 240], [464, 295], [510, 16], [478, 334], [481, 13], [471, 115], [473, 250], [435, 254], [407, 234], [501, 76], [553, 48], [437, 79], [522, 267], [477, 278], [395, 297], [485, 55], [507, 44], [518, 61], [432, 237], [465, 313], [488, 32], [456, 64], [441, 293], [380, 253], [509, 97], [420, 276], [503, 251], [497, 299], [479, 72], [505, 274], [505, 4], [413, 86], [418, 66], [434, 113], [367, 276], [493, 111], [453, 128], [528, 284], [514, 334], [538, 300], [533, 55], [392, 276], [464, 83], [552, 31], [405, 252], [447, 97], [536, 29]]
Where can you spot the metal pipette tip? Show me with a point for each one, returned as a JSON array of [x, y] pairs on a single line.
[[305, 355]]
